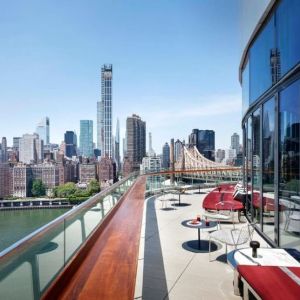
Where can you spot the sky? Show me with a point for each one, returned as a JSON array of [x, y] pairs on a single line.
[[175, 63]]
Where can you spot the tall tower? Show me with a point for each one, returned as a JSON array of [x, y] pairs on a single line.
[[43, 130], [117, 144], [104, 113], [235, 142], [150, 150]]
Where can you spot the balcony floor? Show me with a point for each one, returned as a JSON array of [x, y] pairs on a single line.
[[166, 269]]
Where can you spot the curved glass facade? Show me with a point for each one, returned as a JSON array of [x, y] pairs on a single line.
[[271, 125]]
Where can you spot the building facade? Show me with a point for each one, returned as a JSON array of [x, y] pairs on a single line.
[[104, 113], [270, 78], [70, 144], [204, 140], [136, 140], [30, 149], [43, 130], [86, 138], [87, 172], [6, 180], [235, 142], [165, 164]]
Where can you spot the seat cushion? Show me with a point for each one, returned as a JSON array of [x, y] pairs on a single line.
[[271, 282]]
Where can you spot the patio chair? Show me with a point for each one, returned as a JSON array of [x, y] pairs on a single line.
[[291, 214], [232, 237], [224, 212]]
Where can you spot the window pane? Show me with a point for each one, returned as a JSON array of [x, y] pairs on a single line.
[[261, 58], [245, 87], [249, 165], [268, 167], [256, 166], [289, 196], [288, 24]]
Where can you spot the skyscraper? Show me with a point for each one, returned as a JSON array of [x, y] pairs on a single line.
[[30, 148], [117, 145], [43, 130], [86, 138], [235, 142], [151, 152], [136, 140], [70, 143], [104, 113], [178, 147], [165, 156], [204, 140], [3, 154], [207, 143]]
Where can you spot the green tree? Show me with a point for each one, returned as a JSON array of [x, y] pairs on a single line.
[[65, 190], [38, 188], [93, 187]]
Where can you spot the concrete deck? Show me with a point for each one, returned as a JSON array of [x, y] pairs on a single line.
[[167, 269]]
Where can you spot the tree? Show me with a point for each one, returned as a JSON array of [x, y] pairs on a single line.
[[93, 187], [66, 190], [38, 188]]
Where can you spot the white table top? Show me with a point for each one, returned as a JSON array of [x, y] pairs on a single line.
[[265, 257]]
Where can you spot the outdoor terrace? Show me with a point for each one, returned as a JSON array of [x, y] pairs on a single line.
[[168, 268]]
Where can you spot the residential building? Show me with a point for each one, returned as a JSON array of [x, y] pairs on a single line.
[[235, 142], [86, 138], [6, 180], [136, 140], [16, 142], [105, 171], [269, 74], [70, 144], [151, 164], [117, 146], [220, 155], [127, 166], [30, 149], [178, 148], [22, 179], [87, 172], [43, 130], [151, 152], [165, 156], [104, 113]]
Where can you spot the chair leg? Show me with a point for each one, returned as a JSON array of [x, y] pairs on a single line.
[[209, 245]]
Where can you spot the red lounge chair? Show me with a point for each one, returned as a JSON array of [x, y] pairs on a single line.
[[270, 282]]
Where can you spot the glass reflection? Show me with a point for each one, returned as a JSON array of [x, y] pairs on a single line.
[[245, 88], [268, 167], [289, 172], [287, 27], [249, 167], [263, 60], [256, 173]]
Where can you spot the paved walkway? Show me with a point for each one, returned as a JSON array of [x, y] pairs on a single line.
[[167, 269]]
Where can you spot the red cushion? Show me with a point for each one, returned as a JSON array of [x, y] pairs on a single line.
[[270, 282]]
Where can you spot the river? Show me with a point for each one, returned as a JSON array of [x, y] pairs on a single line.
[[16, 224]]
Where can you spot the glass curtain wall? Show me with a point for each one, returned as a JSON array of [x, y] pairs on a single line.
[[256, 172], [268, 131], [289, 167], [249, 167]]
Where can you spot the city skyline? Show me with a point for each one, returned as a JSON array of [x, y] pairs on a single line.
[[59, 62]]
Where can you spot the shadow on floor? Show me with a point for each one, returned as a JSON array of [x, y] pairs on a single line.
[[193, 246], [154, 276]]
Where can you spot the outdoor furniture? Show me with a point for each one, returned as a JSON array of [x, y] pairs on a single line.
[[223, 212], [201, 225], [292, 213], [232, 237], [270, 282], [265, 257]]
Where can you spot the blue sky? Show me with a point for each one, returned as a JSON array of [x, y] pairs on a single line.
[[175, 63]]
